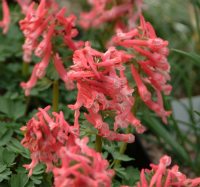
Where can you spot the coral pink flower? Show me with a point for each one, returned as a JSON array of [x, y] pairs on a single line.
[[160, 175], [101, 88], [62, 72], [24, 5], [6, 17], [153, 68], [27, 86], [44, 137], [100, 13], [41, 25], [82, 166], [52, 141]]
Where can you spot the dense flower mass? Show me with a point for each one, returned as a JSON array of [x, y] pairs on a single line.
[[103, 11], [82, 166], [151, 67], [51, 140], [103, 86], [40, 26], [44, 137], [161, 176], [105, 92]]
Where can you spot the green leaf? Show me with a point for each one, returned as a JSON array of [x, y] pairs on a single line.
[[133, 175], [122, 157], [12, 109], [52, 73], [30, 184], [192, 56], [19, 179], [8, 157], [121, 172], [4, 172], [39, 169], [16, 147], [43, 84], [158, 129], [37, 175], [6, 137], [37, 179]]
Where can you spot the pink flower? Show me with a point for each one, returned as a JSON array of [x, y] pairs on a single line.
[[100, 13], [44, 137], [6, 17], [160, 175], [153, 68], [31, 82], [62, 72], [41, 25], [52, 141], [101, 88], [82, 166]]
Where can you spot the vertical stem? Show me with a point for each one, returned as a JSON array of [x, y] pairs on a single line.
[[25, 73], [55, 96], [25, 68], [122, 148], [98, 143]]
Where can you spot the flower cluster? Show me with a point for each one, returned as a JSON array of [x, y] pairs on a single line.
[[44, 137], [52, 141], [102, 86], [103, 11], [40, 26], [160, 175], [82, 166], [151, 68]]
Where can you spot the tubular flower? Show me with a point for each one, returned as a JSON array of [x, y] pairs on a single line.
[[6, 17], [52, 141], [160, 175], [102, 86], [82, 166], [153, 68], [40, 26], [107, 10], [44, 137], [24, 4]]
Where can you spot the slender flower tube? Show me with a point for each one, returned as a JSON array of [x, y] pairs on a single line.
[[6, 17]]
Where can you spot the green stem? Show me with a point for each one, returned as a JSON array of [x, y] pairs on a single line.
[[122, 148], [25, 68], [98, 143], [55, 96], [25, 73]]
